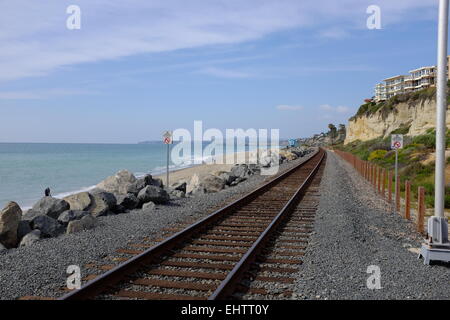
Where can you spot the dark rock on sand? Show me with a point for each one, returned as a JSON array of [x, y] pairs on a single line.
[[128, 201], [180, 186], [148, 206], [30, 238], [48, 226], [71, 215], [103, 203], [48, 206], [85, 223], [139, 184], [154, 194], [23, 229]]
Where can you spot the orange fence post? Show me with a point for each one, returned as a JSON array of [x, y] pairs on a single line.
[[390, 186], [364, 169], [379, 180], [375, 182], [420, 209], [397, 195], [367, 171], [373, 174], [407, 200], [383, 187]]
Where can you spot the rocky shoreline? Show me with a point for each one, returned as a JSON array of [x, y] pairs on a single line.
[[121, 193]]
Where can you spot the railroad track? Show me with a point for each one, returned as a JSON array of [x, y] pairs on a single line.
[[258, 238]]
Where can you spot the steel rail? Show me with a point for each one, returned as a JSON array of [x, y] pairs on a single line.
[[153, 254], [228, 286]]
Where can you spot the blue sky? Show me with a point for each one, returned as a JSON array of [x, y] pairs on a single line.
[[137, 68]]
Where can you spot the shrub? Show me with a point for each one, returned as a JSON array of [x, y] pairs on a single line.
[[377, 155], [402, 130], [428, 140]]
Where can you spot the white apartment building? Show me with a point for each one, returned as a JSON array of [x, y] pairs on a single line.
[[389, 88], [421, 78], [380, 92], [417, 79]]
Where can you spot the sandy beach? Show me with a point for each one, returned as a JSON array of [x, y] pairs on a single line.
[[202, 170]]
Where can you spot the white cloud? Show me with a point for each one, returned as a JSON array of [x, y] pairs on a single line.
[[331, 109], [35, 41], [342, 109], [224, 73], [285, 107]]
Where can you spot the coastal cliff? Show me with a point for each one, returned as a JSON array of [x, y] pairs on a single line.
[[411, 114]]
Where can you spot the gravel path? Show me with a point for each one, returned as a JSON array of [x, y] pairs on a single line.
[[355, 229], [41, 268]]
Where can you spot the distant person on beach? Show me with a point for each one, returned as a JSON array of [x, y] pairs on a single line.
[[47, 192]]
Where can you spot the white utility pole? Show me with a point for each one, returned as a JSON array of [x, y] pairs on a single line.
[[437, 246], [441, 109]]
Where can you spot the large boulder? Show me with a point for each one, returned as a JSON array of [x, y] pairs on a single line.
[[48, 226], [48, 206], [154, 194], [212, 183], [237, 181], [103, 203], [85, 223], [119, 183], [289, 155], [23, 229], [30, 238], [180, 186], [149, 206], [158, 183], [30, 215], [178, 189], [2, 248], [240, 170], [140, 184], [193, 184], [177, 194], [128, 201], [9, 222], [227, 178], [71, 215], [80, 201]]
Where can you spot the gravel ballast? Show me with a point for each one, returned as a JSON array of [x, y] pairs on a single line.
[[39, 270], [355, 229]]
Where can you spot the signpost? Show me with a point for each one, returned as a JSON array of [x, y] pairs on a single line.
[[396, 143], [168, 140]]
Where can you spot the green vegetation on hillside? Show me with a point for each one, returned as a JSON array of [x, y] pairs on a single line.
[[414, 162], [389, 105]]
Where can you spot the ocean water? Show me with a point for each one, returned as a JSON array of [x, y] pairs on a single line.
[[26, 169]]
